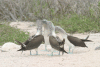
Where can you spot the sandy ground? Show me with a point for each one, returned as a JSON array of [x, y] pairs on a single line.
[[82, 57]]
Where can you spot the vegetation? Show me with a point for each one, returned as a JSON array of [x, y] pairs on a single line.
[[78, 24], [74, 16], [9, 34]]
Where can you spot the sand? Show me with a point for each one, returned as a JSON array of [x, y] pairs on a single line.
[[82, 57]]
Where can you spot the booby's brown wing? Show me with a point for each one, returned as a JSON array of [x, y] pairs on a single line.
[[28, 40], [19, 42], [54, 43], [35, 42], [76, 41]]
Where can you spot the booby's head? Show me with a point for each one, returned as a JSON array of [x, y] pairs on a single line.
[[45, 23], [49, 25], [61, 31]]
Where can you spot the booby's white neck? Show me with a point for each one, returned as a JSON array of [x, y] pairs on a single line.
[[38, 32], [53, 33]]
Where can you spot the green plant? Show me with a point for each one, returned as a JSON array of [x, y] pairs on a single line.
[[9, 34], [78, 24]]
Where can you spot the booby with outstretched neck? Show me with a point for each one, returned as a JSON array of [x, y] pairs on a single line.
[[53, 40], [34, 41], [46, 33], [72, 41]]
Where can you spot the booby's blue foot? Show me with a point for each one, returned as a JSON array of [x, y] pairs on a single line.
[[34, 54], [59, 53], [50, 54], [70, 53], [45, 50], [55, 51], [54, 54]]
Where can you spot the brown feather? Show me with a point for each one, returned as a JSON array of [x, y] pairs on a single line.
[[76, 41], [56, 44], [34, 43]]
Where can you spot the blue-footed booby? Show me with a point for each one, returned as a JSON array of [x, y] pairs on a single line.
[[53, 39], [46, 33], [34, 41], [72, 41]]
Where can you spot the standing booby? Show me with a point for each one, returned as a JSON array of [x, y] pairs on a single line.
[[56, 44], [34, 41], [33, 44], [53, 40], [72, 41], [46, 33]]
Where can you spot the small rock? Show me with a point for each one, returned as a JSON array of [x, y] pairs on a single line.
[[97, 48], [9, 46]]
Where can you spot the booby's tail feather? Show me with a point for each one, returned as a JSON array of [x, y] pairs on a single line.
[[87, 37], [63, 51], [19, 42], [22, 46], [84, 40]]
